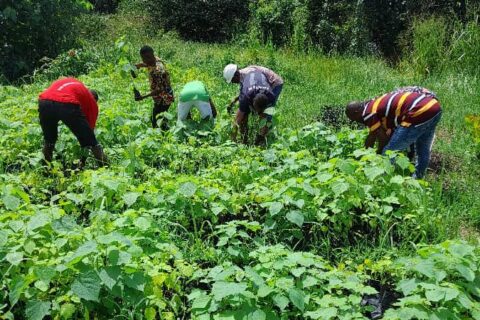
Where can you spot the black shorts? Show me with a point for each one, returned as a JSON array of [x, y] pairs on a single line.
[[51, 112]]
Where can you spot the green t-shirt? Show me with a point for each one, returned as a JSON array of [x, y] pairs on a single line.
[[194, 90]]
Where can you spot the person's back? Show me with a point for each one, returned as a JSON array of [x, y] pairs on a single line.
[[193, 91], [254, 83], [68, 100], [195, 95], [71, 90]]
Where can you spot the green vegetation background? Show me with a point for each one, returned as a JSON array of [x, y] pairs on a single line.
[[148, 237]]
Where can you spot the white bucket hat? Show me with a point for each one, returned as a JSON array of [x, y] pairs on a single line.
[[229, 72]]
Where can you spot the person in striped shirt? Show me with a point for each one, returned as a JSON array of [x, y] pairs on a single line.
[[398, 119]]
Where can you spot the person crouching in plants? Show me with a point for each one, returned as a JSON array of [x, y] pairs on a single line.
[[195, 94], [398, 119], [232, 74], [161, 90], [70, 101], [256, 96]]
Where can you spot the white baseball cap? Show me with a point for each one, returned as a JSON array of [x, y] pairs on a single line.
[[229, 72]]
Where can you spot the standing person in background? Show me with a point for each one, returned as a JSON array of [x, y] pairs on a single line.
[[232, 74], [194, 94], [68, 100], [161, 90], [398, 119]]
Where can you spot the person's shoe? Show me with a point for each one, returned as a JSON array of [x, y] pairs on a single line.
[[98, 153], [47, 150]]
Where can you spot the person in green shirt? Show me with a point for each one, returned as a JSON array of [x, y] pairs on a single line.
[[194, 94]]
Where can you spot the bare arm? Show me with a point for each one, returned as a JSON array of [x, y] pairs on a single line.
[[240, 122], [232, 103], [371, 139], [383, 139]]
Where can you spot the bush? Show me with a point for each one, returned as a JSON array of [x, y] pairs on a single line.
[[31, 30], [105, 6], [436, 45], [215, 20], [429, 45]]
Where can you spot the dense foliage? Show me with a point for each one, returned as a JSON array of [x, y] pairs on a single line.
[[216, 20], [32, 30], [186, 224]]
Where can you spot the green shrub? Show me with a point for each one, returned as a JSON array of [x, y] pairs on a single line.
[[31, 30], [215, 20], [429, 45]]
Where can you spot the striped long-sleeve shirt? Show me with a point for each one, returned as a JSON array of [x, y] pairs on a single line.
[[402, 107]]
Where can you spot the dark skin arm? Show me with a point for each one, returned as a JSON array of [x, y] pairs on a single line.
[[378, 135], [232, 103], [241, 120], [261, 137], [214, 110]]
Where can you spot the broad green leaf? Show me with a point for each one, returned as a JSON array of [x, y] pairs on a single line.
[[130, 198], [373, 172], [150, 313], [110, 276], [264, 291], [201, 302], [17, 286], [275, 207], [397, 180], [297, 297], [87, 286], [119, 257], [324, 177], [3, 238], [11, 202], [280, 301], [143, 223], [270, 111], [44, 273], [257, 315], [14, 258], [460, 249], [67, 311], [339, 187], [135, 281], [407, 286], [295, 217], [37, 221], [82, 251], [451, 293], [323, 313], [223, 289], [41, 285], [297, 272], [37, 310], [466, 272], [188, 189], [435, 295]]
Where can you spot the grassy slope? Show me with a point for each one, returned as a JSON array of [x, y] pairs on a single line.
[[311, 82]]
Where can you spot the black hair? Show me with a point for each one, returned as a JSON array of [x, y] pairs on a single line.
[[94, 94], [145, 50], [261, 100]]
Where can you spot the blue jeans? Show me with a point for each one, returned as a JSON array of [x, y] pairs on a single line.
[[276, 92], [422, 136]]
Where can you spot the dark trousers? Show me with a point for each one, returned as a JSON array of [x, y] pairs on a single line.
[[158, 109], [51, 112]]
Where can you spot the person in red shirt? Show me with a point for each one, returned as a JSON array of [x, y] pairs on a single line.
[[70, 101]]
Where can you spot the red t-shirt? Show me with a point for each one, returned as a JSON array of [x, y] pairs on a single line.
[[70, 90]]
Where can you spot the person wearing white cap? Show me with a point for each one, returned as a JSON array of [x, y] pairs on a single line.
[[232, 74], [256, 95]]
